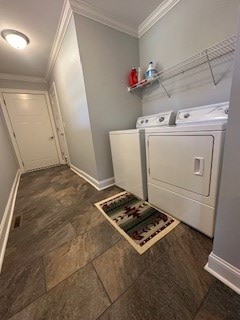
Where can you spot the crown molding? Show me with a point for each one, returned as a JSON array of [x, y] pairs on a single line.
[[82, 8], [91, 12], [61, 30], [16, 77], [156, 15]]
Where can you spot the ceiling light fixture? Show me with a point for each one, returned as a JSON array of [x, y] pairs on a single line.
[[15, 38]]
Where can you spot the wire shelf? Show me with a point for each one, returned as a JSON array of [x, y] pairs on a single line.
[[216, 52]]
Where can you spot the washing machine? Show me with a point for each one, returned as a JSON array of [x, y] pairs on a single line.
[[184, 165], [129, 153]]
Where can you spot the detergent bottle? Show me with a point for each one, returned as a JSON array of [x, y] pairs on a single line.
[[133, 77], [151, 72]]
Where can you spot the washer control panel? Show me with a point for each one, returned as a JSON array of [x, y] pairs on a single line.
[[209, 113], [156, 120]]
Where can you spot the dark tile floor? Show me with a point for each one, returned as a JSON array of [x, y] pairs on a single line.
[[66, 261]]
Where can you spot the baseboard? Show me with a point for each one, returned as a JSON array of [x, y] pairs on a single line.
[[7, 217], [99, 185], [224, 271]]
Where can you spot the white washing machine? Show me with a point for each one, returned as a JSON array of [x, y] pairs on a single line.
[[184, 165], [129, 153]]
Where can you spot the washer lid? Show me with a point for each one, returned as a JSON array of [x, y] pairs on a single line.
[[128, 131], [204, 114], [156, 120]]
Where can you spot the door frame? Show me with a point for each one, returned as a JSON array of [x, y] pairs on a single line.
[[10, 128], [54, 89]]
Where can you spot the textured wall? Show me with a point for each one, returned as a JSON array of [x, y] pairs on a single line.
[[107, 56], [68, 77], [227, 234], [190, 27], [8, 165]]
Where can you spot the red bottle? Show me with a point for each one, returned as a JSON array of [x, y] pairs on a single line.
[[133, 78]]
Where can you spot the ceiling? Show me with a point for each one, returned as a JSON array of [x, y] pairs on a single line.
[[39, 21], [130, 12]]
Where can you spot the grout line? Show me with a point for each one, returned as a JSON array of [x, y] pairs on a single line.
[[44, 293], [105, 290], [40, 257], [132, 284], [102, 253], [75, 231], [44, 273], [205, 297], [60, 282], [128, 288], [64, 243], [48, 291], [91, 262], [88, 263], [138, 277]]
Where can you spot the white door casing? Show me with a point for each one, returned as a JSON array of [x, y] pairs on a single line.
[[59, 124], [34, 135]]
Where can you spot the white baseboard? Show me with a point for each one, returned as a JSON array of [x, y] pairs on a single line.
[[7, 217], [224, 271], [99, 185]]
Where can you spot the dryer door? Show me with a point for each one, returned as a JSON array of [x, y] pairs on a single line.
[[183, 161]]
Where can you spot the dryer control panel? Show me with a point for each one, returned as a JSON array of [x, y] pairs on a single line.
[[156, 120], [203, 114]]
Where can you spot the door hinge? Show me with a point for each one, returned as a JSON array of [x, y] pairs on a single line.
[[4, 102], [22, 163], [14, 134]]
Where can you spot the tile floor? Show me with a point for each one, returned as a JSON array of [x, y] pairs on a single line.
[[66, 261]]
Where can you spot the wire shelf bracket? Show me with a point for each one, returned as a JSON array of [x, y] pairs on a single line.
[[165, 90], [210, 68]]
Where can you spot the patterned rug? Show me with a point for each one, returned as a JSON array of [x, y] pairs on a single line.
[[141, 224]]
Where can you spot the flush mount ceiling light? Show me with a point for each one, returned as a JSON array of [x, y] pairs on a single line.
[[15, 38]]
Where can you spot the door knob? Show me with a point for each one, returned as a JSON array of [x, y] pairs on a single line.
[[51, 138]]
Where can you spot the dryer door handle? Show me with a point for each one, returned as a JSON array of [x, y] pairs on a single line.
[[198, 166]]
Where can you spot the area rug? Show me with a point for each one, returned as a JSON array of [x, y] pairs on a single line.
[[141, 224]]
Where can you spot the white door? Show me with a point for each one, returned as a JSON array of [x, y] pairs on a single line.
[[32, 128], [59, 124]]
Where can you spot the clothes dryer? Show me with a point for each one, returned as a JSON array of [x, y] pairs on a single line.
[[129, 153], [184, 165]]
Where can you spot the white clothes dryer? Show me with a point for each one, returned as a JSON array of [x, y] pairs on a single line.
[[129, 153], [184, 165]]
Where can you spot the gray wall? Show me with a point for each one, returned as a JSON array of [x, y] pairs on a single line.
[[188, 28], [8, 165], [227, 232], [68, 76], [25, 85], [107, 56]]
